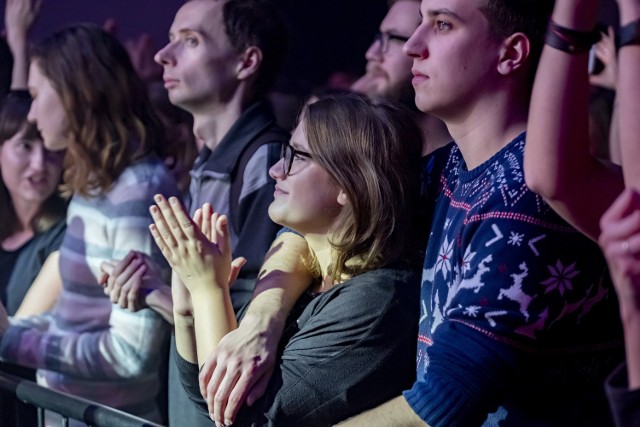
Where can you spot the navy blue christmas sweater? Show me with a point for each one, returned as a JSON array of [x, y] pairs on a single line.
[[519, 323]]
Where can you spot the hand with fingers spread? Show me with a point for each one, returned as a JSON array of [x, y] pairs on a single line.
[[606, 53], [198, 250], [239, 369], [127, 282]]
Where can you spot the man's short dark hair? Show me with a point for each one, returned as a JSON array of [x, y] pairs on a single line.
[[257, 23], [530, 17]]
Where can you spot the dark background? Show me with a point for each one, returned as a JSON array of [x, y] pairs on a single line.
[[326, 35]]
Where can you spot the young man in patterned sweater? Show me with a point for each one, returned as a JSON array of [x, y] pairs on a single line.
[[518, 323]]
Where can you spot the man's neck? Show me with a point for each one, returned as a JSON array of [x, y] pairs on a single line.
[[486, 131], [212, 123]]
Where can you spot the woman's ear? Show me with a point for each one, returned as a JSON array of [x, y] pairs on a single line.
[[249, 64], [342, 198]]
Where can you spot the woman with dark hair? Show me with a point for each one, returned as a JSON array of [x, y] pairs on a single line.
[[31, 228], [88, 100], [30, 205], [31, 209], [348, 183]]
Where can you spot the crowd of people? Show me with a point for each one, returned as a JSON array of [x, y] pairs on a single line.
[[443, 243]]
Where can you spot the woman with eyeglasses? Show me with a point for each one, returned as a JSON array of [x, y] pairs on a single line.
[[348, 182]]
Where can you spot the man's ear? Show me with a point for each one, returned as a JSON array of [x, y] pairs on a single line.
[[249, 64], [342, 198], [514, 53]]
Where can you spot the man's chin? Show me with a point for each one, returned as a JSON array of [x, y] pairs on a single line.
[[181, 102]]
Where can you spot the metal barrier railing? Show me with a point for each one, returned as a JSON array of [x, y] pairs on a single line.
[[68, 406]]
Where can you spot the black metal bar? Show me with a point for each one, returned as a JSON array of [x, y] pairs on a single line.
[[40, 416], [67, 405]]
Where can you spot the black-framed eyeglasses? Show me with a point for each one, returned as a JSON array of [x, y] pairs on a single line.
[[384, 37], [288, 155]]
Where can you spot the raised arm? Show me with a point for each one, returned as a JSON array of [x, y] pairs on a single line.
[[628, 96], [199, 252], [19, 17], [558, 163]]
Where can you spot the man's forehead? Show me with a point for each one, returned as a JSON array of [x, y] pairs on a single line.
[[402, 14], [198, 15], [459, 7]]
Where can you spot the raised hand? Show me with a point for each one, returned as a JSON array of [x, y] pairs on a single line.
[[198, 250], [19, 17], [606, 52]]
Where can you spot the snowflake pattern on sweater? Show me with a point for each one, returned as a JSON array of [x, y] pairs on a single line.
[[505, 264]]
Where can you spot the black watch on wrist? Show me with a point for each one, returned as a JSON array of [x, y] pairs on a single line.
[[629, 34]]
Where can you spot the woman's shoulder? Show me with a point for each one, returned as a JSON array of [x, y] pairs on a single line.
[[389, 295], [391, 283], [391, 275]]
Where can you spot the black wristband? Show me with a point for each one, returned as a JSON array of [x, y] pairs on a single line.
[[629, 34], [570, 41]]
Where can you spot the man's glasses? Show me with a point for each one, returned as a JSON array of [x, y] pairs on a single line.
[[384, 37], [288, 155]]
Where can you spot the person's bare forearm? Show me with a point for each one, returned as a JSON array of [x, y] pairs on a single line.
[[184, 328], [185, 337], [630, 315], [283, 278], [394, 413], [44, 290], [213, 318], [615, 156], [629, 126], [160, 301], [558, 161], [19, 17], [20, 70], [628, 96]]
